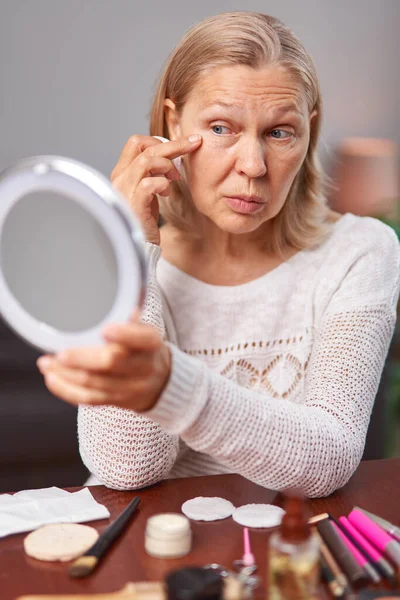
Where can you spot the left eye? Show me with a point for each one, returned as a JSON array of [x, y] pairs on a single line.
[[218, 129], [280, 134]]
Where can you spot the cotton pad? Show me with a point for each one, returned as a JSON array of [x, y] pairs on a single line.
[[177, 161], [258, 515], [207, 509], [61, 541]]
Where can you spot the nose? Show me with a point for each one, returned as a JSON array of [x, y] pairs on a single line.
[[251, 159]]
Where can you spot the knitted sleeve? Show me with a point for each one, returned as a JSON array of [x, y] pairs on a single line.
[[317, 444], [122, 449]]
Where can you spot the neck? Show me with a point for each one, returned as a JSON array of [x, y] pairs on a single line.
[[216, 244]]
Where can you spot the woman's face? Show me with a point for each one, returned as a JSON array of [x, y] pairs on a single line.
[[255, 127]]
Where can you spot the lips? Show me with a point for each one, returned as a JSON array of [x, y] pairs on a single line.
[[245, 204], [257, 199]]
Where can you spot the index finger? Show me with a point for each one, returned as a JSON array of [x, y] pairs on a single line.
[[94, 358], [133, 147], [175, 148]]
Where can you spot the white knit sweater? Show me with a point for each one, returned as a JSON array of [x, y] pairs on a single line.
[[274, 379]]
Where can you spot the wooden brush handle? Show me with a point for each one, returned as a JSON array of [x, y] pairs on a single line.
[[145, 590], [132, 591]]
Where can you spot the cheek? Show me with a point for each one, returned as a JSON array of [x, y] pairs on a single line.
[[206, 166], [285, 164]]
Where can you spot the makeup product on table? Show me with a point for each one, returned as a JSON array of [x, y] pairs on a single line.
[[314, 520], [258, 515], [206, 508], [355, 574], [60, 541], [88, 562], [168, 535], [293, 554], [382, 540], [360, 558], [146, 590], [329, 579], [379, 562], [194, 583], [200, 580], [247, 559], [386, 525], [332, 563]]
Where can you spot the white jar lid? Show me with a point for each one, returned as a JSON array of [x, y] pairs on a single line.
[[168, 526]]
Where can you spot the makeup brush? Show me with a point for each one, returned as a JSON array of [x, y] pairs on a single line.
[[355, 574], [336, 570], [328, 577], [85, 564], [317, 518]]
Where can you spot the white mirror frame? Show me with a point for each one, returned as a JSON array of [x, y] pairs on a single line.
[[94, 192]]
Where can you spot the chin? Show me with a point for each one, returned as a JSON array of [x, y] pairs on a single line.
[[239, 224]]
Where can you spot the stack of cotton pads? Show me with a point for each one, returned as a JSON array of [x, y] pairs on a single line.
[[249, 515]]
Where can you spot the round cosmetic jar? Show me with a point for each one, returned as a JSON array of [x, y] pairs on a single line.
[[168, 535]]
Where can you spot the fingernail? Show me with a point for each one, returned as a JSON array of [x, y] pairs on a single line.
[[194, 138], [62, 357], [110, 330], [43, 362]]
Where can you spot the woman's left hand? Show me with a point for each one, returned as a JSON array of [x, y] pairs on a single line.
[[129, 371]]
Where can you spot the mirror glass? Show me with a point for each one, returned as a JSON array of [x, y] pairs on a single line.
[[58, 261]]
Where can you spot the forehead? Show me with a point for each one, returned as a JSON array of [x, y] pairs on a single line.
[[244, 86]]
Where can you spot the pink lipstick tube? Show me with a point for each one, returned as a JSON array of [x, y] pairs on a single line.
[[381, 540], [362, 561], [379, 561]]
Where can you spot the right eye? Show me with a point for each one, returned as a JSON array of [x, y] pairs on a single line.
[[218, 129]]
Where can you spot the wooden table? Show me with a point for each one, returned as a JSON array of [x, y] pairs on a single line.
[[375, 487]]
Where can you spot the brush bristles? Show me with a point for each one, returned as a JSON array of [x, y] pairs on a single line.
[[83, 566]]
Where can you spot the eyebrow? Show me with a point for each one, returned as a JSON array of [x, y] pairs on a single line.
[[282, 110]]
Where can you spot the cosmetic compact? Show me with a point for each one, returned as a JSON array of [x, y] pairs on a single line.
[[71, 253], [168, 535]]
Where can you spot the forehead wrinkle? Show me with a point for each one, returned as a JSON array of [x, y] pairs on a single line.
[[276, 111], [288, 96], [219, 104]]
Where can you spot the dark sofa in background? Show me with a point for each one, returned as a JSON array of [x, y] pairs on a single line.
[[38, 434], [38, 439]]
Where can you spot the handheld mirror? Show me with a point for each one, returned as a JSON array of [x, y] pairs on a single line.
[[71, 253]]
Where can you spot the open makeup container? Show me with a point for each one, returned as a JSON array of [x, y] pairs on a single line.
[[71, 253]]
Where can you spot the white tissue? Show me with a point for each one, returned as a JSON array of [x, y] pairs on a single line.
[[28, 510]]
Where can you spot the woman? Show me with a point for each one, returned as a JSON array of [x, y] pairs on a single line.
[[268, 316]]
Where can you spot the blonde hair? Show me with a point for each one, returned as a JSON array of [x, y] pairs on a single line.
[[254, 40]]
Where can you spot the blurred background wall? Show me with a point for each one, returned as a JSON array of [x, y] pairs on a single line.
[[77, 78]]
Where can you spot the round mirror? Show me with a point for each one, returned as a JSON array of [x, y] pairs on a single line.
[[71, 253]]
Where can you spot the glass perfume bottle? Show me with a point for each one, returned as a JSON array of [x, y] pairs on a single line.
[[293, 555]]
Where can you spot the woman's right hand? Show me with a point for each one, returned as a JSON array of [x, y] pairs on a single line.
[[145, 169]]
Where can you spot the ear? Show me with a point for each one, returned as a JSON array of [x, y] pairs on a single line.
[[312, 116], [172, 119]]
